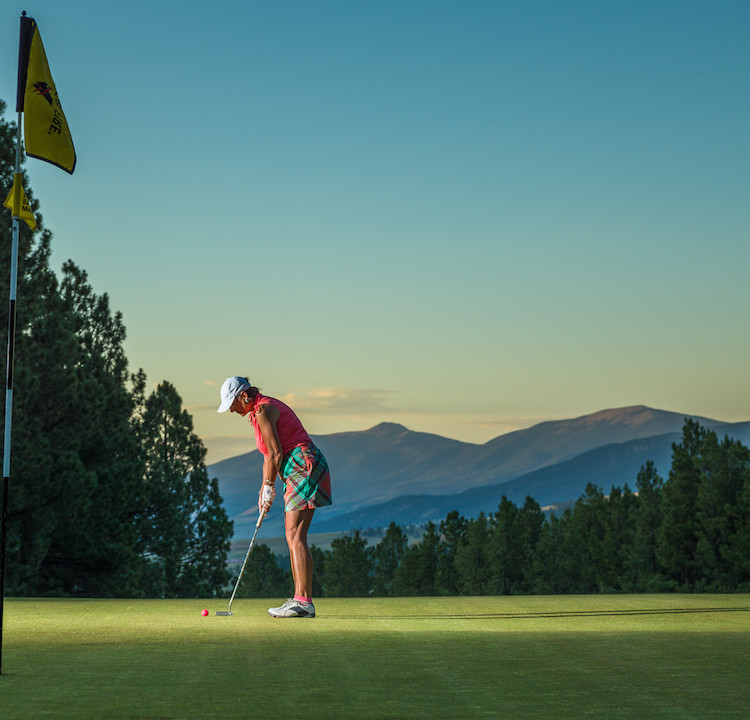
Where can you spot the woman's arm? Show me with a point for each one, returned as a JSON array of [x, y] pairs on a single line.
[[266, 416]]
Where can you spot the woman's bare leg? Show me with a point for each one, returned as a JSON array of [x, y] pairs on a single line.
[[296, 524]]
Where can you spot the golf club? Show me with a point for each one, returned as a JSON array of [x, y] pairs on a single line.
[[242, 569]]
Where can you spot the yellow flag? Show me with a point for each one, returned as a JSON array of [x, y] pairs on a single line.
[[46, 130], [18, 204]]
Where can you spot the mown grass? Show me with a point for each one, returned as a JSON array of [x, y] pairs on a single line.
[[644, 656]]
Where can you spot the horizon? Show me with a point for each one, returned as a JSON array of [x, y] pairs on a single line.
[[594, 414]]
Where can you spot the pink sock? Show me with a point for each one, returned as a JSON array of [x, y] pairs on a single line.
[[299, 598]]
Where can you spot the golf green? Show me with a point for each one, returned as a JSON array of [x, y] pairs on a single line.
[[599, 656]]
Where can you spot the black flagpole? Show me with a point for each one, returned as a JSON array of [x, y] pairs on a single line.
[[23, 55]]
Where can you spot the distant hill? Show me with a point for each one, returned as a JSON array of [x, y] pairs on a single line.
[[606, 467], [611, 465], [391, 473]]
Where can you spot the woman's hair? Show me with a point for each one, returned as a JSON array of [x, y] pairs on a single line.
[[252, 391]]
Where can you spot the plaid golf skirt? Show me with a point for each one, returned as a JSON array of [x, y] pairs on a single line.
[[307, 481]]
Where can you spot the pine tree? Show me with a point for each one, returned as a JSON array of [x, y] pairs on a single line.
[[387, 555], [648, 518], [184, 530], [93, 549], [505, 551], [737, 550], [474, 558], [619, 536], [263, 576], [452, 534], [725, 467], [554, 563], [530, 526], [586, 540], [319, 559], [678, 535], [417, 573], [348, 569]]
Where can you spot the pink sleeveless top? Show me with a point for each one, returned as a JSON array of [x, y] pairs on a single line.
[[290, 430]]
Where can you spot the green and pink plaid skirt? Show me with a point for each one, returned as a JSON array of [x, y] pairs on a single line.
[[307, 481]]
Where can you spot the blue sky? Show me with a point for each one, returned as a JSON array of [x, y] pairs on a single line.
[[464, 217]]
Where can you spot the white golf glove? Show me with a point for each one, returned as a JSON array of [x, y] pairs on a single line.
[[265, 498]]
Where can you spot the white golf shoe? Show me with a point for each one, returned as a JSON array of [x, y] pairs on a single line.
[[293, 608]]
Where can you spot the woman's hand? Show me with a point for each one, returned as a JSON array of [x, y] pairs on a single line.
[[265, 498]]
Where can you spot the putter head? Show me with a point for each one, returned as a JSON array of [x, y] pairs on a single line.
[[224, 612]]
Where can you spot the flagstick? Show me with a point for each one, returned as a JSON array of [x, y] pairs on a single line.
[[11, 343], [9, 399]]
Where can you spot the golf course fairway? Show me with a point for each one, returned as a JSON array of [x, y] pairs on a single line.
[[598, 656]]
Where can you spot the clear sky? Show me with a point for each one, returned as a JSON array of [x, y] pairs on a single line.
[[466, 217]]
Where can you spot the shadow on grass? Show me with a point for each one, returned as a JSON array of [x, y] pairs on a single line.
[[548, 614]]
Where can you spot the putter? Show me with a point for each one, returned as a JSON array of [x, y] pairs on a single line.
[[242, 569]]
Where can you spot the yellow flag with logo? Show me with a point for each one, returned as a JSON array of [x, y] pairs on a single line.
[[46, 131], [18, 204]]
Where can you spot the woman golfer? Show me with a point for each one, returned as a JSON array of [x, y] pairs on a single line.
[[288, 452]]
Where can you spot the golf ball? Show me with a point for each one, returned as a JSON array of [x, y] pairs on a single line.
[[204, 613]]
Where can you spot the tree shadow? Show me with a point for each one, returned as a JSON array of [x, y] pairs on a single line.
[[548, 614]]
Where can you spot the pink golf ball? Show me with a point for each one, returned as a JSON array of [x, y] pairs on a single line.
[[204, 613]]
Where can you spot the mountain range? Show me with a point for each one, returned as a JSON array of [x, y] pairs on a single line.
[[391, 474]]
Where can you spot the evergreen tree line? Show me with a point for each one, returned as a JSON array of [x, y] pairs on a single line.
[[109, 493], [690, 532]]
